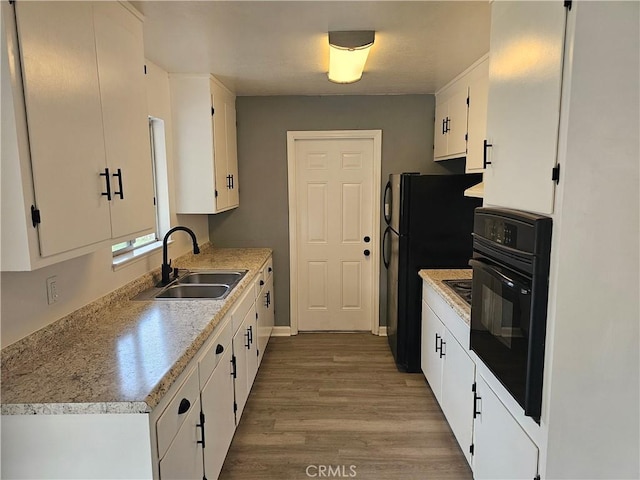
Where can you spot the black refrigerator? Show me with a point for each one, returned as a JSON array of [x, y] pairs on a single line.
[[429, 225]]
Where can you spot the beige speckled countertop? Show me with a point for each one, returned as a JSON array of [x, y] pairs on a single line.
[[116, 355], [435, 278]]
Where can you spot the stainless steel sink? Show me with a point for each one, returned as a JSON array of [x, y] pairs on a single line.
[[212, 277], [211, 292], [196, 284]]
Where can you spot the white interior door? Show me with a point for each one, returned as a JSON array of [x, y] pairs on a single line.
[[336, 228]]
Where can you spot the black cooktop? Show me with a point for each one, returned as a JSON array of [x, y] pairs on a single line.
[[462, 288]]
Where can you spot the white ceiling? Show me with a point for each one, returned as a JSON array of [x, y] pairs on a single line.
[[280, 48]]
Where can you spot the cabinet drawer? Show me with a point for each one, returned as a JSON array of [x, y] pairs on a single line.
[[217, 348], [171, 419]]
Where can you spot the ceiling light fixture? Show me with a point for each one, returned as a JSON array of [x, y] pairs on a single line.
[[348, 52]]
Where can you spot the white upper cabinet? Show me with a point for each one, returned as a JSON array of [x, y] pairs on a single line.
[[461, 116], [206, 160], [76, 129], [525, 76], [119, 46], [451, 122], [478, 81]]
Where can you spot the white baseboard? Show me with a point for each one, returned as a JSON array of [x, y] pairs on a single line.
[[382, 331], [281, 332]]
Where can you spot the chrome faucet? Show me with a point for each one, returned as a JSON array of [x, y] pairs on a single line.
[[166, 264]]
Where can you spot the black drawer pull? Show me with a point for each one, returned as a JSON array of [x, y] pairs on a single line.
[[261, 282], [108, 181], [219, 349], [476, 412], [121, 192], [484, 154], [437, 338], [442, 350], [270, 269], [201, 425], [184, 406]]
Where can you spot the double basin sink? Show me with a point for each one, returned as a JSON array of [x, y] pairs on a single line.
[[197, 284]]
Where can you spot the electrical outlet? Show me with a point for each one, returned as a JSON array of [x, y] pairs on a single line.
[[52, 290]]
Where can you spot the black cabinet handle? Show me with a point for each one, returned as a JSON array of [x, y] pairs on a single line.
[[121, 192], [447, 127], [233, 365], [270, 269], [233, 183], [367, 239], [261, 282], [229, 181], [442, 350], [437, 338], [250, 334], [268, 298], [107, 180], [201, 426], [484, 154], [476, 412], [444, 120], [367, 253], [247, 342], [219, 349], [184, 406]]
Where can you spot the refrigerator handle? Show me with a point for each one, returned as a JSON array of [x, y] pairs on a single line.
[[386, 203], [384, 248]]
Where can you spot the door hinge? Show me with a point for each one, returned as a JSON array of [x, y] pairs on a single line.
[[466, 137], [256, 315], [145, 69], [216, 193], [235, 407], [537, 477], [154, 201], [467, 100], [257, 352], [471, 449], [473, 387], [568, 4], [35, 216], [212, 110], [555, 174]]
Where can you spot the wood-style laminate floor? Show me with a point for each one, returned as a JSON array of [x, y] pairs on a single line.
[[337, 399]]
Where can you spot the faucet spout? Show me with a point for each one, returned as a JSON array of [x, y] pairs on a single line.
[[166, 264]]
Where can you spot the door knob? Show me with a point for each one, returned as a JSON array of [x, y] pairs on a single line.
[[367, 253], [367, 239]]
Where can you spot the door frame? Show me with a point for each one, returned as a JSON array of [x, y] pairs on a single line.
[[292, 137]]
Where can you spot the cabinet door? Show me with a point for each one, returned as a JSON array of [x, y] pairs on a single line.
[[223, 181], [251, 329], [120, 54], [440, 133], [457, 397], [183, 460], [502, 450], [241, 383], [431, 362], [457, 124], [264, 306], [477, 117], [62, 97], [525, 74], [217, 406], [232, 150]]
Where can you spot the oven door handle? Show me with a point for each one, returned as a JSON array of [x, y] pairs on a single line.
[[497, 274]]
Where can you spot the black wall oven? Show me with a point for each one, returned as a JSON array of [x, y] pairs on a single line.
[[511, 252]]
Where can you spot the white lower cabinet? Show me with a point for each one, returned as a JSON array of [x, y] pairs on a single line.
[[219, 427], [246, 359], [183, 459], [450, 372], [266, 314], [502, 449]]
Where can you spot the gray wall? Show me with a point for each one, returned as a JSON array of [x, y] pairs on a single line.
[[262, 219]]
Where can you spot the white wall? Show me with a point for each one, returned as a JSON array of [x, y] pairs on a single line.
[[592, 387], [84, 279]]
